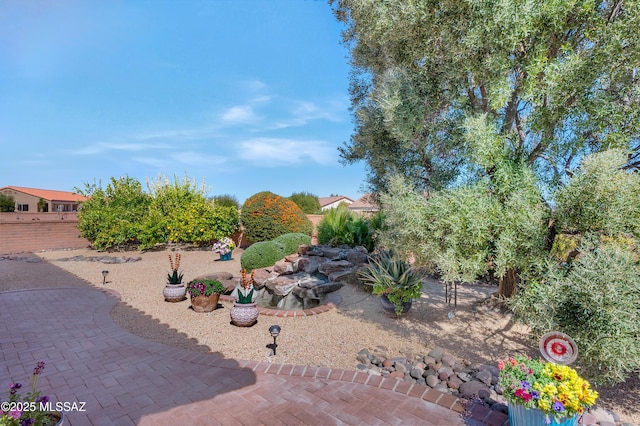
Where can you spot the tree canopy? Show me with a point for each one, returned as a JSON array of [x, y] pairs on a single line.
[[442, 89]]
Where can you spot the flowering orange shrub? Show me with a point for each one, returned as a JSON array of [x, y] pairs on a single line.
[[266, 216]]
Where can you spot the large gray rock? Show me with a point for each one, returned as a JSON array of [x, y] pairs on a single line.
[[472, 388], [484, 376], [310, 264], [333, 266]]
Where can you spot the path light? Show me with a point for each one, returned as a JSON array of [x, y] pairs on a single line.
[[274, 330], [104, 277]]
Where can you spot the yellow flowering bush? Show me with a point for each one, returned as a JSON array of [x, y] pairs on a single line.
[[554, 389]]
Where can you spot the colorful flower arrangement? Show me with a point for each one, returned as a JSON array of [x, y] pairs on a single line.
[[207, 287], [225, 246], [551, 388], [30, 410]]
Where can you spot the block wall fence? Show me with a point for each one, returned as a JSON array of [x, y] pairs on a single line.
[[25, 232], [30, 232]]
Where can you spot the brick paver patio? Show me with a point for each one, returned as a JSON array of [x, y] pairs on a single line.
[[125, 379]]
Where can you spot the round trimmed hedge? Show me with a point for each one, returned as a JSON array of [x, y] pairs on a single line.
[[266, 216], [292, 241], [261, 255]]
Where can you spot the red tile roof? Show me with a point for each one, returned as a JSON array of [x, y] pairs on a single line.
[[364, 203], [48, 194]]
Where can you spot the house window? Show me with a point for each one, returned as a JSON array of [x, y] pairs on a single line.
[[23, 207]]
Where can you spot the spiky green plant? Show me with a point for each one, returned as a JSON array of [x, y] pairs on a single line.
[[393, 277]]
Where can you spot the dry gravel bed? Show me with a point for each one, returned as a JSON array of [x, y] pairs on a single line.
[[330, 339]]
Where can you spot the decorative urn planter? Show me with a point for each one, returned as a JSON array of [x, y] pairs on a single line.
[[520, 415], [244, 314], [174, 292], [389, 307], [204, 303]]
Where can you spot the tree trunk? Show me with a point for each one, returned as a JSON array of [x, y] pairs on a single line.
[[508, 284]]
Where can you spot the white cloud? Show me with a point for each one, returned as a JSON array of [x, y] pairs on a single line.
[[102, 147], [272, 152], [193, 158], [238, 114]]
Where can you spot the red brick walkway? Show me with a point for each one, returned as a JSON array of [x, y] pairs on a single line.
[[124, 379]]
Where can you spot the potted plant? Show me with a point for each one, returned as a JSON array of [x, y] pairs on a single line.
[[174, 290], [33, 409], [542, 392], [224, 248], [205, 294], [244, 312], [394, 280]]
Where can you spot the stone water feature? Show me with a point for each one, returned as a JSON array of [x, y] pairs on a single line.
[[302, 280]]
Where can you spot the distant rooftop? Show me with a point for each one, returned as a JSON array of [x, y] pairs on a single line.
[[48, 194]]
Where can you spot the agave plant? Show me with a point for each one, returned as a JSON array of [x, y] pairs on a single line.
[[175, 277], [393, 277]]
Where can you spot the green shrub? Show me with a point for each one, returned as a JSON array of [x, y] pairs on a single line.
[[596, 301], [7, 203], [261, 255], [266, 216], [113, 216], [601, 197], [340, 226], [226, 200], [307, 202], [292, 241], [122, 214]]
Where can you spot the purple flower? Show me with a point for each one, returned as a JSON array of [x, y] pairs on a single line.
[[535, 394], [27, 422], [525, 385], [38, 368], [558, 407], [14, 387], [43, 399]]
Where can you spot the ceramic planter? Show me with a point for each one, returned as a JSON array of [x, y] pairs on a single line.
[[521, 416], [390, 309], [174, 292], [244, 314]]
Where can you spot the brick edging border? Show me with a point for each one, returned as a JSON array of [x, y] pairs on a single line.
[[326, 307]]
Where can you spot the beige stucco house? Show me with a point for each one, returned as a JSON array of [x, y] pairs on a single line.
[[327, 203], [43, 200]]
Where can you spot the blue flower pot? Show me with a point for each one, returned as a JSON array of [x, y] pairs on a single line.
[[522, 416], [225, 256]]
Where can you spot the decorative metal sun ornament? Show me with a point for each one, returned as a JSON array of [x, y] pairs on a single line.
[[558, 348]]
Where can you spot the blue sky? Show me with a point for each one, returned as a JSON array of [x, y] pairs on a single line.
[[247, 95]]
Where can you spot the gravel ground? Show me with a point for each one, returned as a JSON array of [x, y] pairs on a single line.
[[331, 339]]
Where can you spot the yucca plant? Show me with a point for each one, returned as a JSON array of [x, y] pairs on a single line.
[[393, 277]]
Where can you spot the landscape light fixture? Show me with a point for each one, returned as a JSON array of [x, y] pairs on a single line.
[[104, 277], [274, 330]]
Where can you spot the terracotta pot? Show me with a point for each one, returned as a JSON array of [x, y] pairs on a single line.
[[244, 314], [174, 292], [204, 303]]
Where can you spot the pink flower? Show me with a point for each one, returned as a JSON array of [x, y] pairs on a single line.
[[15, 414], [501, 364]]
